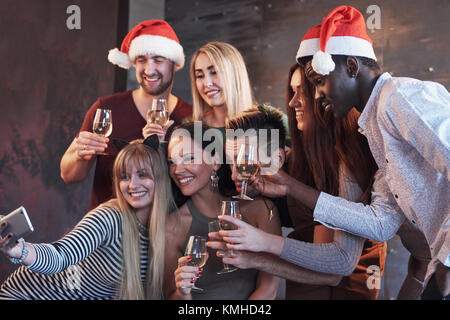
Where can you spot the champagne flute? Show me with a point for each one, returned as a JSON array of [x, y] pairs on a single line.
[[247, 167], [159, 113], [230, 208], [196, 249], [214, 226], [103, 125]]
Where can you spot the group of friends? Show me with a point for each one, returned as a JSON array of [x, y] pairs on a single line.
[[361, 156]]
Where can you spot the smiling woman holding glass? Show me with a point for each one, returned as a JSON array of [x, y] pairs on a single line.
[[191, 168]]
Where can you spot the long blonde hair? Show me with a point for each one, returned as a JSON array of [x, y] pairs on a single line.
[[230, 67], [132, 287]]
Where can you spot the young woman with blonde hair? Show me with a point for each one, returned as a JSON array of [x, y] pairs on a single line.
[[219, 83], [116, 251]]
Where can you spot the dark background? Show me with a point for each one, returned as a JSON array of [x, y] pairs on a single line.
[[51, 75]]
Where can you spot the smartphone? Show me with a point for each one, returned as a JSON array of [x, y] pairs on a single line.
[[18, 223]]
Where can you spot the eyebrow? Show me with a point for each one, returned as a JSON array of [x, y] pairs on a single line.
[[208, 68], [154, 57]]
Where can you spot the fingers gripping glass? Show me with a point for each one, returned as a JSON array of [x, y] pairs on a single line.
[[247, 167], [103, 125], [159, 113], [214, 226], [230, 208], [196, 249]]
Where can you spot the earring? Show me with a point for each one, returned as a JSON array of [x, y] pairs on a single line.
[[214, 186]]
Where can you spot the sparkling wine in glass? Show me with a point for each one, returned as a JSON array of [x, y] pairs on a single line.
[[196, 249], [103, 125], [230, 208], [247, 166], [159, 113]]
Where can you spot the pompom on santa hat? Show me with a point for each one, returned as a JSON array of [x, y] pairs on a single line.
[[148, 37], [342, 32]]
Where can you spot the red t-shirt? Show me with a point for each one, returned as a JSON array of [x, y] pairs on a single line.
[[127, 125]]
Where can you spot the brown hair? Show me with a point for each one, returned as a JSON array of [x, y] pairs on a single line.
[[260, 117], [325, 144]]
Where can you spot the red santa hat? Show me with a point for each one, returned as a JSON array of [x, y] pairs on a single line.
[[148, 37], [342, 32]]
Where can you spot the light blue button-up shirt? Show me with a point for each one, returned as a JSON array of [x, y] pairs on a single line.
[[407, 124]]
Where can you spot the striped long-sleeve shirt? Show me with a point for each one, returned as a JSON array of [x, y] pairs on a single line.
[[85, 264]]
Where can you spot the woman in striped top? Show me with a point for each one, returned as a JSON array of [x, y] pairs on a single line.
[[100, 258]]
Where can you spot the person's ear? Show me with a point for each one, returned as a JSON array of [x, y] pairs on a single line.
[[352, 67]]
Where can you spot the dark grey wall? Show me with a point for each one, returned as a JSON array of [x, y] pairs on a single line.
[[413, 36], [50, 77]]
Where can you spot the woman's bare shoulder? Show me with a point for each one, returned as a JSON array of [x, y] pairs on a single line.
[[178, 221]]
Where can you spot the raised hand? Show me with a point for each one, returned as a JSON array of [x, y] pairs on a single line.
[[240, 259], [249, 238], [88, 144], [185, 275], [271, 185], [154, 128], [13, 250]]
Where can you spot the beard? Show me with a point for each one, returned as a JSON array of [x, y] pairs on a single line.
[[161, 87]]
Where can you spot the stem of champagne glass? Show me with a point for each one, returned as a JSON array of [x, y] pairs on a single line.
[[244, 188]]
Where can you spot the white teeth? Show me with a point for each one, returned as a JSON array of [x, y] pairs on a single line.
[[138, 194], [186, 180], [151, 79], [211, 93]]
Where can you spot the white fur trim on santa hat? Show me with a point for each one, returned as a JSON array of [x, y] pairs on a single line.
[[343, 45], [150, 44], [322, 63], [117, 57]]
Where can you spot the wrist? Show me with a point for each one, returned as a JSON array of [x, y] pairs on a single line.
[[289, 186], [83, 158], [276, 244], [23, 254], [182, 296]]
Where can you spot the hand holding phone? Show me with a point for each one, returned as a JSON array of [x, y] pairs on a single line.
[[16, 223]]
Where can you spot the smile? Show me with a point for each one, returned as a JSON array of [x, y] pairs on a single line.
[[185, 181], [212, 93], [138, 194], [151, 79]]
